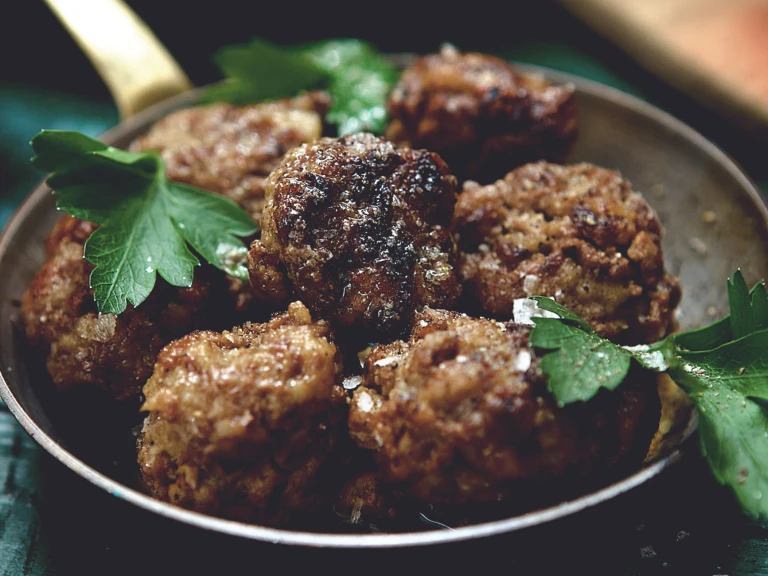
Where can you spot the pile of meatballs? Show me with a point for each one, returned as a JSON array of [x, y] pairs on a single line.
[[374, 361]]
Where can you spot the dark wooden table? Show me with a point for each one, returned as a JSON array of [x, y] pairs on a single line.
[[53, 522]]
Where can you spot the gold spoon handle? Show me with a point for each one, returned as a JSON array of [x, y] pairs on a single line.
[[134, 65]]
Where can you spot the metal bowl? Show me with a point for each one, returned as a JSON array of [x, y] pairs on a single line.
[[715, 221]]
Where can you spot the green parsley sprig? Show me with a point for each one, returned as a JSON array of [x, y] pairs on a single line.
[[146, 222], [722, 367], [352, 72]]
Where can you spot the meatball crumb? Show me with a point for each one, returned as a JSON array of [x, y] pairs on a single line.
[[364, 498]]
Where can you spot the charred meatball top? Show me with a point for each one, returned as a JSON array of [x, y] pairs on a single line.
[[358, 230], [461, 410], [481, 115], [230, 149], [241, 423], [114, 354], [579, 234]]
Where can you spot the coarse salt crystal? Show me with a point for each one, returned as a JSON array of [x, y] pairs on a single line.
[[524, 309], [530, 282], [523, 361]]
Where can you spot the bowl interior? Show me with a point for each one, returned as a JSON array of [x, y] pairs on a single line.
[[715, 221]]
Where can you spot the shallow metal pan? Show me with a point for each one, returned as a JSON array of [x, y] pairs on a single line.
[[682, 175]]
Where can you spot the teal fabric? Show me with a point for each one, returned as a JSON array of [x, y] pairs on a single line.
[[23, 113], [566, 59]]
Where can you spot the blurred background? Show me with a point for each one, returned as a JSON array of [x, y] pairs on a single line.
[[692, 58]]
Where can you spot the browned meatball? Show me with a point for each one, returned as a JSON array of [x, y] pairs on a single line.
[[104, 351], [480, 114], [576, 233], [462, 409], [241, 423], [358, 230], [230, 149]]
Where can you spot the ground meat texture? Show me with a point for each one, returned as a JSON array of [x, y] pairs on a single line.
[[103, 351], [481, 115], [230, 149], [358, 229], [461, 412], [576, 233], [241, 423]]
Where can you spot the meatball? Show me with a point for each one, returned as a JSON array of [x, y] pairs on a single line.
[[230, 149], [461, 411], [481, 115], [86, 349], [241, 423], [576, 233], [358, 229]]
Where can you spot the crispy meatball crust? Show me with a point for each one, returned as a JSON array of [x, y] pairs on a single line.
[[230, 149], [241, 423], [461, 410], [480, 114], [103, 351], [358, 230], [576, 233]]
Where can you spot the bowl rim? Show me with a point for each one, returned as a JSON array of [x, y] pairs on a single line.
[[378, 540]]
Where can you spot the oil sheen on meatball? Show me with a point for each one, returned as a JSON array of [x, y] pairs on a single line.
[[241, 423], [579, 234], [481, 115], [461, 412], [111, 353], [230, 149], [358, 229]]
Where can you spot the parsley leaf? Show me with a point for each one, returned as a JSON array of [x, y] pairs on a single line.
[[751, 310], [145, 221], [708, 337], [544, 303], [727, 385], [351, 71], [582, 361], [260, 71], [723, 368], [359, 81]]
